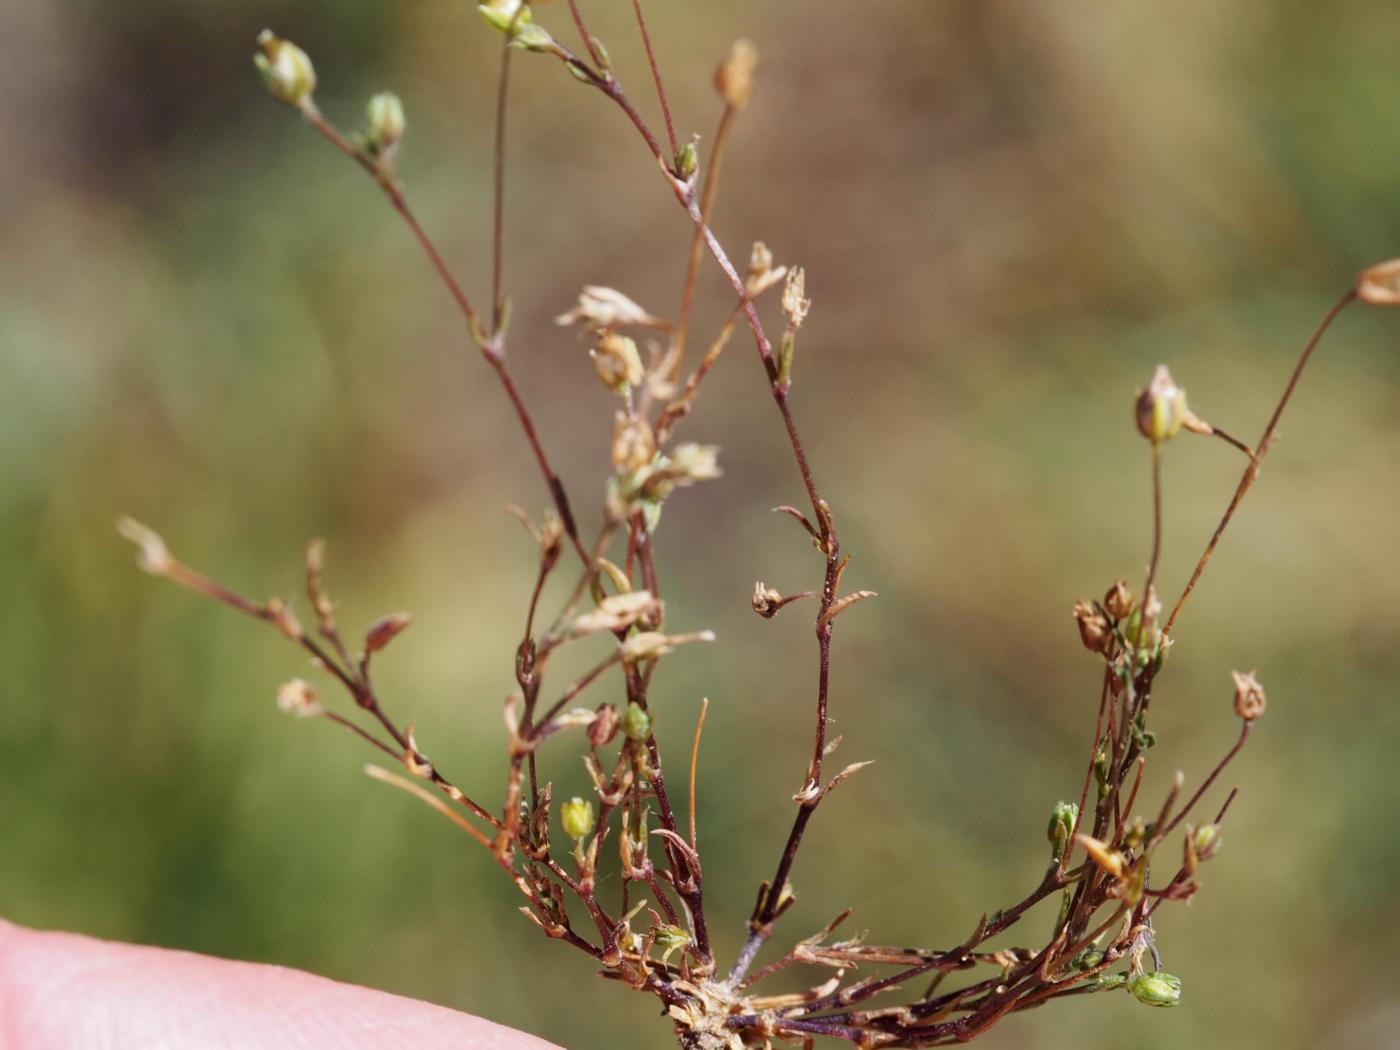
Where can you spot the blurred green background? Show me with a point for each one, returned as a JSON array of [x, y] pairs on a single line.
[[1009, 212]]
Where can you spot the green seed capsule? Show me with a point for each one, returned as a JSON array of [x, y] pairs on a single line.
[[636, 723], [576, 816], [1156, 989], [1061, 825]]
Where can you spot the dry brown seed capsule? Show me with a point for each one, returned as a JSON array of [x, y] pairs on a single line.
[[633, 445], [766, 601], [604, 726], [1119, 600], [617, 362], [1094, 629], [1249, 696]]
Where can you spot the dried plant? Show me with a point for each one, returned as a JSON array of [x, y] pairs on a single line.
[[653, 937]]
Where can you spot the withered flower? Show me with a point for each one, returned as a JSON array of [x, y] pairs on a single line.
[[1379, 285], [1094, 629], [1249, 696], [1119, 600]]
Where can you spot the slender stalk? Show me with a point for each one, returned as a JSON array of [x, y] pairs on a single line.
[[492, 349], [499, 196], [708, 189], [1251, 472], [694, 762], [656, 76], [1156, 537]]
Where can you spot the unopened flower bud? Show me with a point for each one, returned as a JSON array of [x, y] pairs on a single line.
[[385, 630], [617, 362], [1119, 600], [1061, 826], [515, 18], [285, 68], [1380, 285], [1088, 959], [1094, 629], [688, 160], [1161, 408], [298, 698], [734, 76], [636, 723], [152, 556], [386, 121], [1206, 840], [1156, 989], [1249, 696], [576, 816], [1101, 770]]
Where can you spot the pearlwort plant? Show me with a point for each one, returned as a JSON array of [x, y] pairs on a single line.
[[1113, 860]]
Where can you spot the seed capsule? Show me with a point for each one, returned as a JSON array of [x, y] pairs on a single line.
[[285, 68], [1249, 696], [1156, 989], [636, 723], [1161, 408], [386, 121], [576, 816]]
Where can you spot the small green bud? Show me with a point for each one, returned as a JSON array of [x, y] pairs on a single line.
[[514, 17], [1143, 737], [1206, 840], [285, 68], [1088, 959], [1156, 989], [688, 160], [1061, 826], [786, 349], [386, 121], [636, 723], [669, 939], [576, 816], [1101, 770]]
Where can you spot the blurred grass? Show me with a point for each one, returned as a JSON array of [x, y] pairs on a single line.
[[1008, 213]]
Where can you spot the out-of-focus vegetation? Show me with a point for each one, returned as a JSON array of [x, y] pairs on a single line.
[[1008, 212]]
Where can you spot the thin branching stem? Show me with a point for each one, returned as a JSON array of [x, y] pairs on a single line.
[[1251, 472]]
